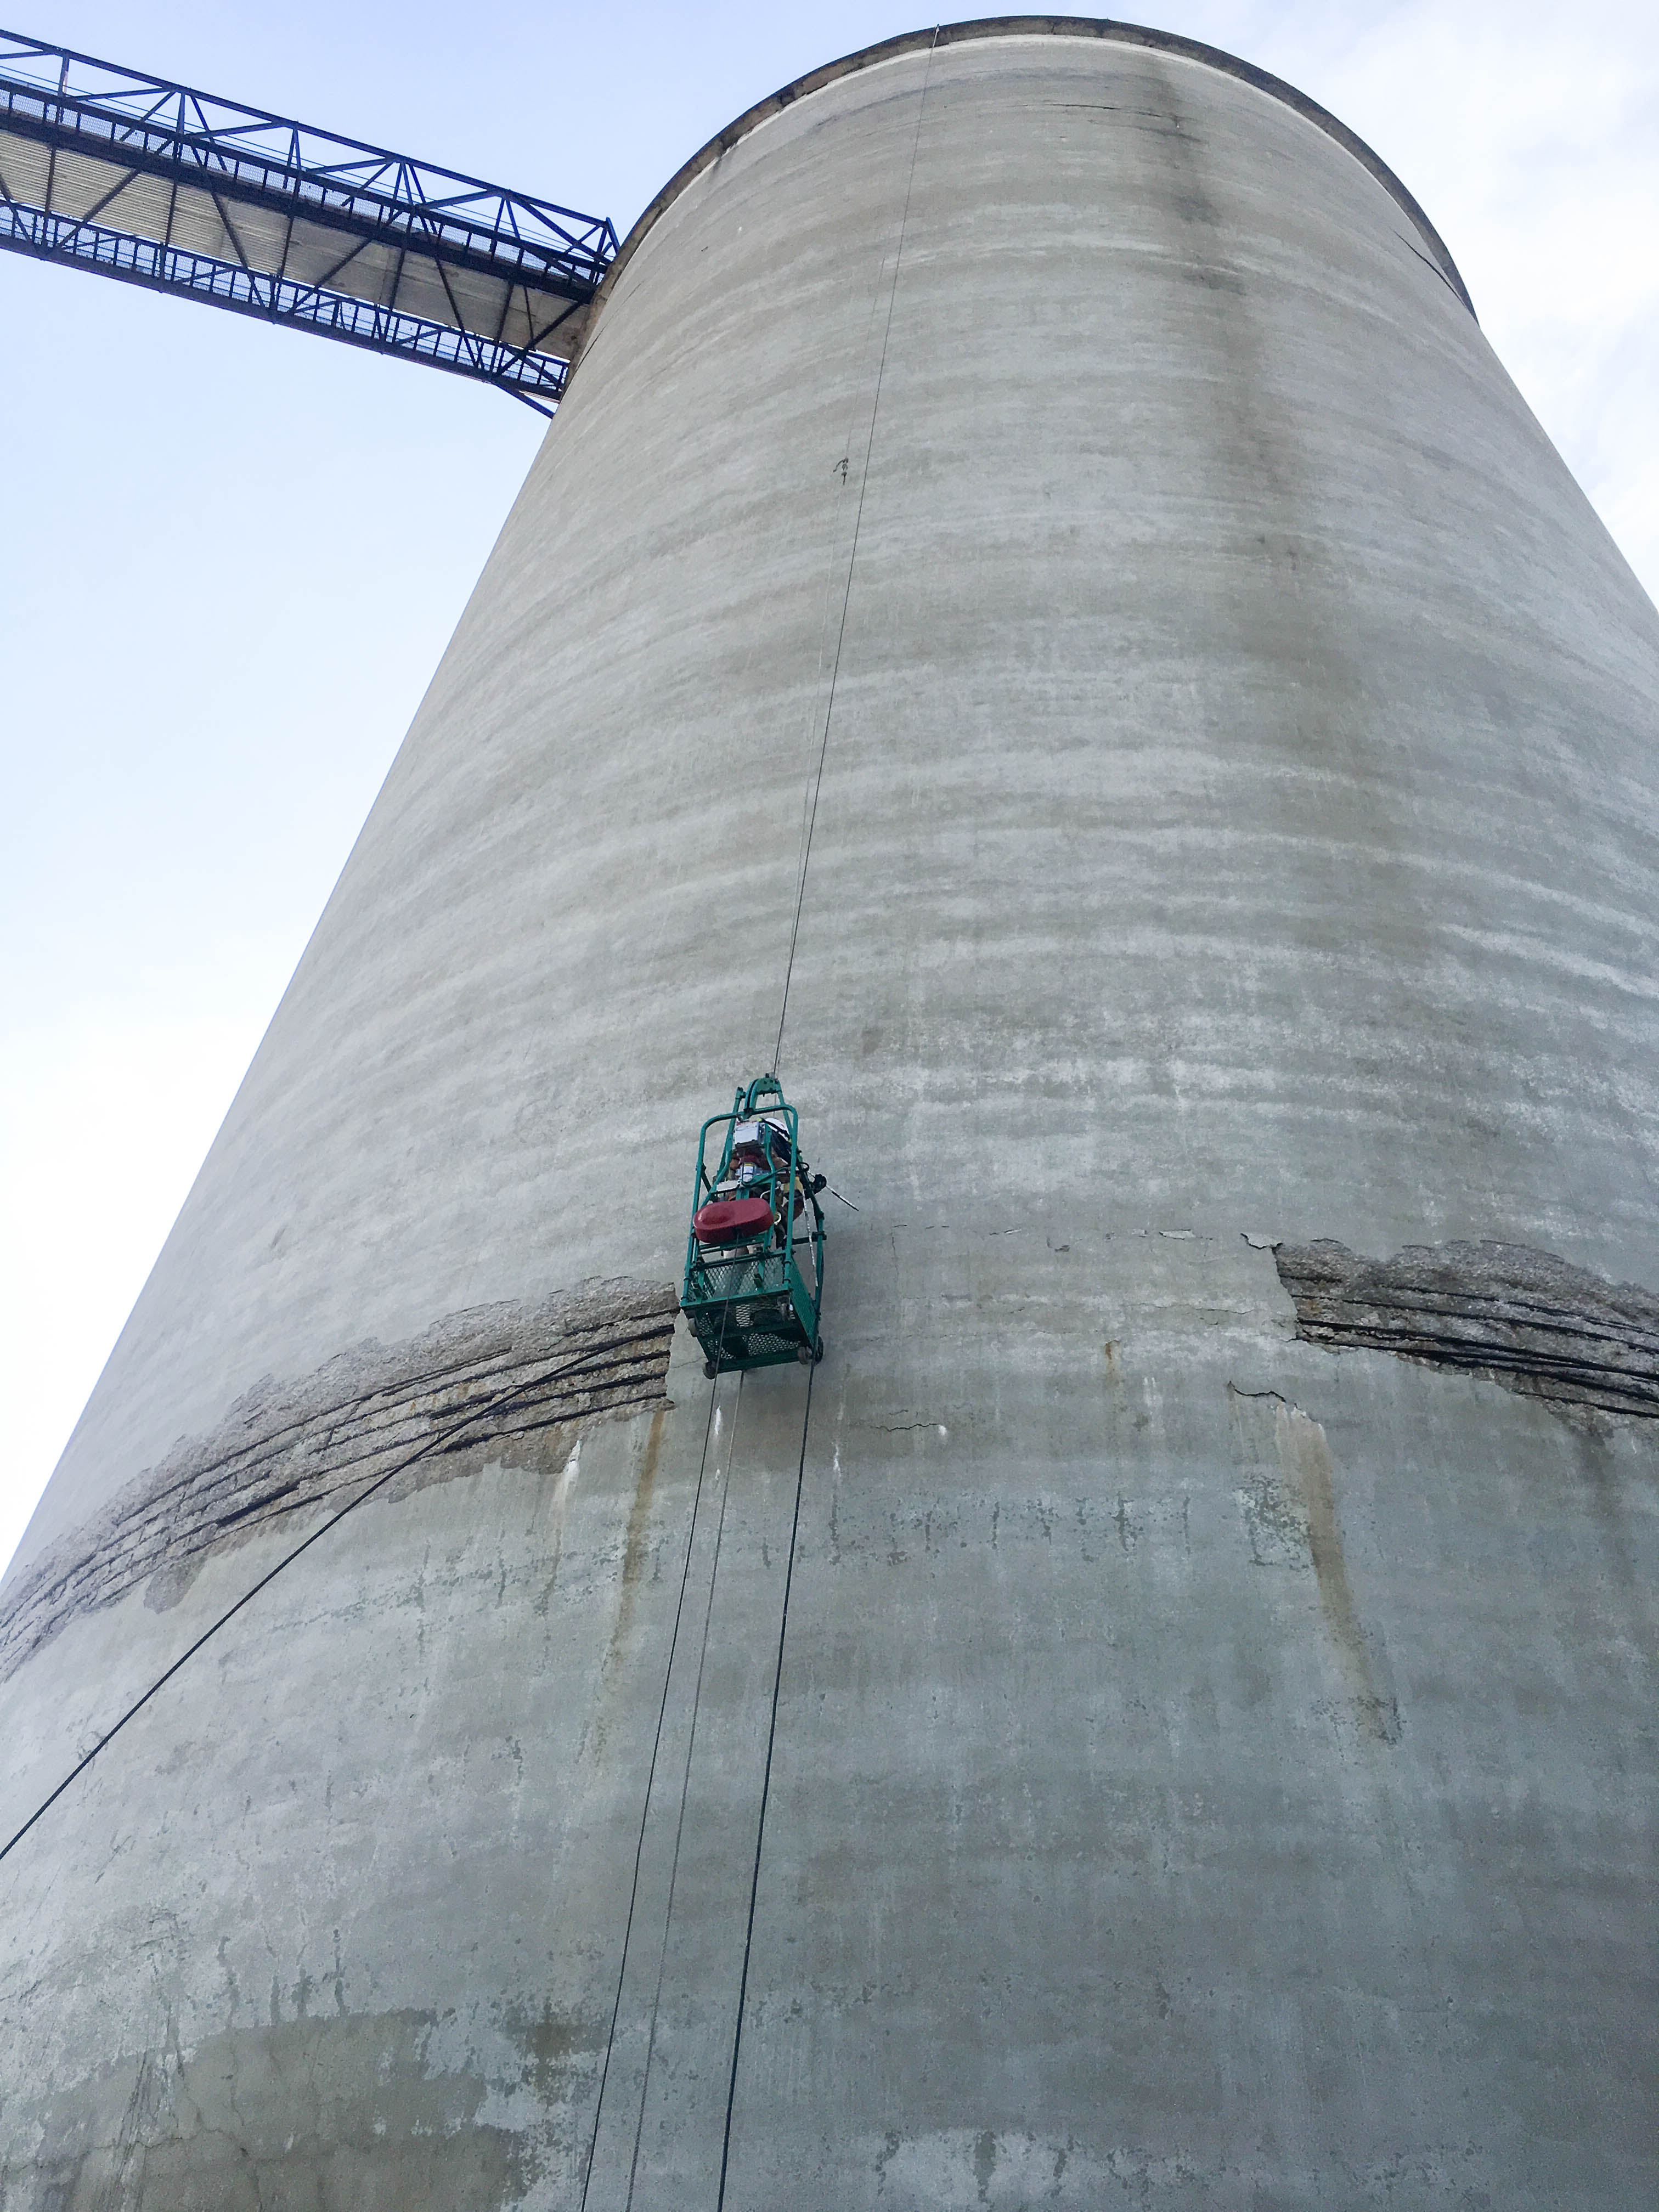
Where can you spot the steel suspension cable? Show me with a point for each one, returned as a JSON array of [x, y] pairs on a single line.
[[777, 1055], [766, 1792], [685, 1791], [852, 558], [650, 1778]]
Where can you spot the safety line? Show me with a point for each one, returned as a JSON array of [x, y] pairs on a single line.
[[444, 1438], [766, 1792], [852, 558], [685, 1791], [650, 1771], [867, 354]]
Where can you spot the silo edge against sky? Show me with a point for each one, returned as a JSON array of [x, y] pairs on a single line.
[[235, 554]]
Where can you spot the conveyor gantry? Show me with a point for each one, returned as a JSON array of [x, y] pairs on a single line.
[[107, 169]]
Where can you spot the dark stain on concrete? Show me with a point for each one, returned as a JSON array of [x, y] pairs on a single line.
[[1291, 1516], [332, 2114], [636, 1545], [1525, 1319], [1305, 1455], [636, 1551], [984, 2162], [550, 2043]]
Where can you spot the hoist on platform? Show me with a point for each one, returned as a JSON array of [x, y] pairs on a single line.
[[754, 1265]]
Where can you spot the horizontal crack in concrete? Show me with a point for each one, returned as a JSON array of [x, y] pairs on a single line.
[[514, 1372], [1522, 1318]]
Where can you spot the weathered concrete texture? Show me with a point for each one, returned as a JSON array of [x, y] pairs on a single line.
[[1525, 1319], [930, 41], [463, 1391], [1323, 1682], [337, 2113], [240, 2011], [1210, 1770]]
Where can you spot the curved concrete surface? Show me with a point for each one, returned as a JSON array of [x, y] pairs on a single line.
[[1212, 1764], [1005, 27]]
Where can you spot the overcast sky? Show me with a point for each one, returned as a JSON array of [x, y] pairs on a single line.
[[232, 554]]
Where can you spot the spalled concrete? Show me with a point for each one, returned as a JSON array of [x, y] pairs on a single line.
[[454, 1396], [1199, 1767], [1525, 1319]]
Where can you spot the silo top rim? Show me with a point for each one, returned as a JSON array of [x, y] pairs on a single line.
[[1027, 27]]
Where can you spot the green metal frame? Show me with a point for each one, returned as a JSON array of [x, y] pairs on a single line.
[[755, 1304]]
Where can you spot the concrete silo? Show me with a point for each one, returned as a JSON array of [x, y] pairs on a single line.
[[1038, 560]]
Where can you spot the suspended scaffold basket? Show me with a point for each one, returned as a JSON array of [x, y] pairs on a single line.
[[754, 1260]]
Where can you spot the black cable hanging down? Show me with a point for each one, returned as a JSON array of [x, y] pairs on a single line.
[[766, 1792], [852, 558], [811, 1376], [685, 1792], [651, 1776]]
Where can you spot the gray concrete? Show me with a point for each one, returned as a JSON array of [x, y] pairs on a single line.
[[1212, 1769]]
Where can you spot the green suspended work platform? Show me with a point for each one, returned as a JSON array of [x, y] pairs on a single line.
[[754, 1266]]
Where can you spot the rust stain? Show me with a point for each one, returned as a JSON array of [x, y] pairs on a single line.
[[635, 1551], [635, 1547], [1304, 1454], [1291, 1520]]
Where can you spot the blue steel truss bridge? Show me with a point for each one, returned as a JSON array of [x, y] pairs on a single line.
[[107, 169]]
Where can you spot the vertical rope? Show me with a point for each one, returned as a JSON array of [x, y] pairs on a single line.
[[777, 1059], [812, 813], [766, 1792], [685, 1789], [851, 560], [650, 1783]]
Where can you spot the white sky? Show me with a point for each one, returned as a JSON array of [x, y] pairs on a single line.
[[232, 556]]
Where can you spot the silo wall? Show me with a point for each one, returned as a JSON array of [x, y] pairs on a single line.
[[1036, 529]]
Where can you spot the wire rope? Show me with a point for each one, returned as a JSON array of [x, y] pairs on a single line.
[[851, 561], [686, 1790], [766, 1792], [651, 1777], [811, 1376]]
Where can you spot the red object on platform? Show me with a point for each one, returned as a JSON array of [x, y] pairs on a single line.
[[731, 1220]]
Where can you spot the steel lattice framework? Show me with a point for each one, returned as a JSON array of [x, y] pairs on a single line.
[[105, 168]]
